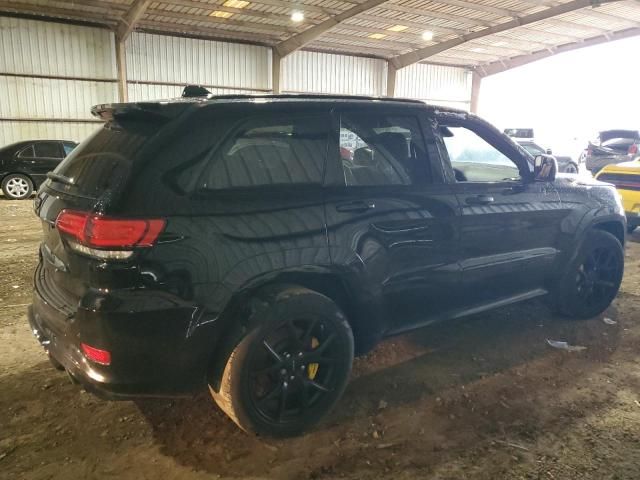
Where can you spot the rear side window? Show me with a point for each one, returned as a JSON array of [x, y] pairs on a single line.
[[103, 161], [68, 148], [48, 150], [27, 152], [263, 151]]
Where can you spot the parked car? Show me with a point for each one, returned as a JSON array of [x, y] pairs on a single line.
[[525, 138], [626, 178], [229, 242], [24, 165], [565, 163], [611, 147]]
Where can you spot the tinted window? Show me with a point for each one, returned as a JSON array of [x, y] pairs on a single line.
[[103, 161], [27, 152], [48, 149], [379, 149], [263, 151], [68, 148], [476, 160]]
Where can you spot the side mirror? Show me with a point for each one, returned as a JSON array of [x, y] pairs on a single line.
[[549, 152], [545, 168]]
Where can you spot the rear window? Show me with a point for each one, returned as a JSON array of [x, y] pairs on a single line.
[[103, 161]]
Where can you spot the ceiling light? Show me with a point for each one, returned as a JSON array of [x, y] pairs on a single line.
[[297, 16], [236, 3], [377, 36], [427, 35], [220, 14], [397, 28]]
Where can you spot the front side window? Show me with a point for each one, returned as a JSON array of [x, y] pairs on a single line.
[[264, 151], [474, 159], [382, 149], [48, 150]]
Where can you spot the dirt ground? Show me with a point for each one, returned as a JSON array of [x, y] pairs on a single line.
[[480, 398]]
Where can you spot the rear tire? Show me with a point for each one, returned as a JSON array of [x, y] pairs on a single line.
[[291, 367], [593, 277], [16, 186]]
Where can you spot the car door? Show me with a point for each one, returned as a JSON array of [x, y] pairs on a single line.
[[390, 215], [48, 154], [509, 224]]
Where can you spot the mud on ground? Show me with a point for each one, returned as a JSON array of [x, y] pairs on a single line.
[[480, 398]]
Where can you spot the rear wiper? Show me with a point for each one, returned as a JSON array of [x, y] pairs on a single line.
[[60, 178]]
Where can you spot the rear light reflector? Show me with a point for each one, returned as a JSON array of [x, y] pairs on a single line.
[[91, 233], [633, 149], [96, 355]]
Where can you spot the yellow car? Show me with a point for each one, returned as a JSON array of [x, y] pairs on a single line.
[[626, 177]]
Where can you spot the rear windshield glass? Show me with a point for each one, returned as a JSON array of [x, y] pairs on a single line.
[[103, 161]]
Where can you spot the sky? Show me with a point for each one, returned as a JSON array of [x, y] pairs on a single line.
[[569, 97]]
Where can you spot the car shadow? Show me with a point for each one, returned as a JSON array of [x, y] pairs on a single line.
[[405, 376]]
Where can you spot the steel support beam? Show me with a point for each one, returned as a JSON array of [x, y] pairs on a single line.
[[130, 19], [391, 79], [121, 67], [276, 70], [503, 65], [301, 39], [416, 56], [476, 81]]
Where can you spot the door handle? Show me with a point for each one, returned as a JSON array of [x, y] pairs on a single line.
[[357, 206], [479, 200]]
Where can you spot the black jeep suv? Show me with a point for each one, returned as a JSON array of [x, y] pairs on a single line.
[[255, 244]]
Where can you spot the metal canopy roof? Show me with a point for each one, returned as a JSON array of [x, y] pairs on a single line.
[[489, 35]]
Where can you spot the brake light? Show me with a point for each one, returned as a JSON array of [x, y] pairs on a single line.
[[96, 355], [633, 149], [91, 233]]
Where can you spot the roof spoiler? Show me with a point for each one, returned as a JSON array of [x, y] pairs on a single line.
[[158, 111], [193, 91]]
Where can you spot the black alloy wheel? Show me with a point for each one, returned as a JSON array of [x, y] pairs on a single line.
[[291, 367]]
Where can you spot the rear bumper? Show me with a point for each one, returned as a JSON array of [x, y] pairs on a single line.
[[155, 353]]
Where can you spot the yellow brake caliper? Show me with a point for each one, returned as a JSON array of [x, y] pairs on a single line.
[[312, 368]]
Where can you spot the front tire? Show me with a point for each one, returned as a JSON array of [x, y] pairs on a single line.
[[292, 366], [593, 277], [16, 186]]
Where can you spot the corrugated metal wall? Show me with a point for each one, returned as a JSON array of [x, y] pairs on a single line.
[[435, 84], [34, 107], [328, 73], [159, 66], [52, 73]]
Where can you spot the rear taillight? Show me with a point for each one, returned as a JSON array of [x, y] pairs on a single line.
[[96, 355], [108, 237], [633, 149]]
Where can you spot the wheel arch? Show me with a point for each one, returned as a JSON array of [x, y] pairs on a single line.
[[328, 282]]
